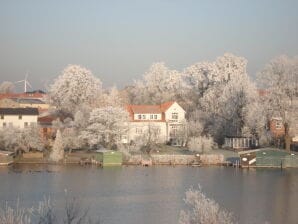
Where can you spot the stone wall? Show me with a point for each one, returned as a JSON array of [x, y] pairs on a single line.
[[212, 159]]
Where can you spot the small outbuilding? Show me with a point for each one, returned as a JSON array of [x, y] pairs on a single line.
[[240, 142], [108, 157]]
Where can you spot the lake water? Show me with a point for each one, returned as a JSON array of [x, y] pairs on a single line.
[[134, 195]]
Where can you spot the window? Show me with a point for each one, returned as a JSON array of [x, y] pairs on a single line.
[[155, 116], [139, 116], [20, 117], [278, 125], [25, 124], [144, 116], [175, 116], [4, 124], [151, 116], [2, 116]]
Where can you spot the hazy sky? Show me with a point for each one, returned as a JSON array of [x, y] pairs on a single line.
[[119, 40]]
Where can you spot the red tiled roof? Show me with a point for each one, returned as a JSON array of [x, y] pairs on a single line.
[[46, 119], [148, 109], [165, 106], [262, 92], [21, 95]]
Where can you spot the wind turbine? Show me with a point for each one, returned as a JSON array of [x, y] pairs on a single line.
[[25, 83]]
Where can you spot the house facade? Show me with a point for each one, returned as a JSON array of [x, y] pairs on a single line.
[[161, 122], [18, 117]]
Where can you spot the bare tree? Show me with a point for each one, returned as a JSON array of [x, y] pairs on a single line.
[[280, 79], [7, 87], [203, 210]]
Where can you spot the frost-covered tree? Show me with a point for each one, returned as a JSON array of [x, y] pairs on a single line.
[[57, 153], [105, 127], [112, 97], [159, 84], [280, 79], [203, 210], [7, 87], [202, 76], [26, 139], [224, 95], [76, 87]]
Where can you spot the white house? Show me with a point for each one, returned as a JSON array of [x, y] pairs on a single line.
[[159, 122], [18, 117]]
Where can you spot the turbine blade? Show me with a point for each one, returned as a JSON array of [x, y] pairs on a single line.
[[29, 84]]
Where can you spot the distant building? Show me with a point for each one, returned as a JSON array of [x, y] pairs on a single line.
[[161, 122], [32, 95], [23, 103], [18, 117], [276, 127], [45, 123]]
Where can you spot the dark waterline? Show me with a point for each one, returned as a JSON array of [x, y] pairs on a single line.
[[136, 195]]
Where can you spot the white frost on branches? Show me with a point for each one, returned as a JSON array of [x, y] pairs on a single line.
[[203, 210], [74, 88], [201, 144], [57, 153], [223, 92], [26, 139], [159, 84], [7, 87], [106, 126], [280, 80]]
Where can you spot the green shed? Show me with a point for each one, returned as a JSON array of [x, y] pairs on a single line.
[[108, 157]]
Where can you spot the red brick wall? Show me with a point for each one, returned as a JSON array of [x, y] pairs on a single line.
[[277, 128]]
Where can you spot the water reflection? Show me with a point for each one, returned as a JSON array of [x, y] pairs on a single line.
[[155, 194]]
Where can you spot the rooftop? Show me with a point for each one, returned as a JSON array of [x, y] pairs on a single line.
[[19, 111], [149, 109], [28, 100]]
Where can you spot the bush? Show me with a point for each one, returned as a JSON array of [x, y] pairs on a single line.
[[201, 144], [203, 210]]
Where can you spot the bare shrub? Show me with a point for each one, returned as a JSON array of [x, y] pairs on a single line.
[[14, 215], [203, 210], [44, 213], [201, 144]]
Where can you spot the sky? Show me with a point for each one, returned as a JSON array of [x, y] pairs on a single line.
[[119, 40]]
